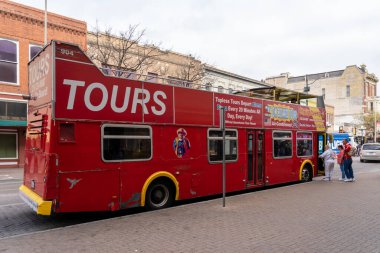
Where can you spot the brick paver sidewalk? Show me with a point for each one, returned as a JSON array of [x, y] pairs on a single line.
[[314, 217]]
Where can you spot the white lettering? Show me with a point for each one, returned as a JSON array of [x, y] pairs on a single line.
[[73, 89], [140, 97], [159, 102], [47, 66], [38, 71], [87, 95], [126, 99], [142, 101]]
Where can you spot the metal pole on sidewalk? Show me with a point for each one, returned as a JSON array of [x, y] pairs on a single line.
[[222, 127], [45, 28]]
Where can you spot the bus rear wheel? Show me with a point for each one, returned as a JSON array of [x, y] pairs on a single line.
[[160, 194], [306, 174]]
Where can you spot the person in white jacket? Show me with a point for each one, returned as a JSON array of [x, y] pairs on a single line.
[[328, 157]]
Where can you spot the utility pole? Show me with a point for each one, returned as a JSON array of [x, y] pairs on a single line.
[[222, 124], [45, 28]]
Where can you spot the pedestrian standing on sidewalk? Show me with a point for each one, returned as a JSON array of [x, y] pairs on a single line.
[[348, 162], [341, 162], [328, 157]]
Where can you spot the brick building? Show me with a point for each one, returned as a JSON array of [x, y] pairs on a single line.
[[22, 37], [347, 89], [143, 61]]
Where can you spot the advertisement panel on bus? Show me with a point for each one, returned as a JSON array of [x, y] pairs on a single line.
[[40, 78]]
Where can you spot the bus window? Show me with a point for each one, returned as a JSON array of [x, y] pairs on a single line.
[[282, 144], [126, 143], [215, 145], [304, 144]]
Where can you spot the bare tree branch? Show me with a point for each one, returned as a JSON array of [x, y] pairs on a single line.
[[192, 71], [124, 51]]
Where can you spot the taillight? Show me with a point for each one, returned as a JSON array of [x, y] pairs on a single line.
[[44, 130]]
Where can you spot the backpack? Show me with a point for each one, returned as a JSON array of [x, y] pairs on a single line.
[[352, 151]]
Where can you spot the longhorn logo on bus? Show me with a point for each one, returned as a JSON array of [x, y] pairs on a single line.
[[138, 96]]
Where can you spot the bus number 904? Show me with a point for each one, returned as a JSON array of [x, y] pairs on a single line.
[[67, 52]]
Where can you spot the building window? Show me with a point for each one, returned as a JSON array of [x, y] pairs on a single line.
[[215, 145], [348, 93], [208, 86], [179, 82], [371, 105], [8, 61], [126, 143], [324, 93], [121, 72], [13, 111], [33, 51], [220, 89], [8, 145], [152, 77], [282, 144], [304, 144]]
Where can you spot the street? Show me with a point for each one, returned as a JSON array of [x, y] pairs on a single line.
[[17, 218], [312, 217]]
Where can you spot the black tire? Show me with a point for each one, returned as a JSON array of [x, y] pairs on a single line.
[[361, 160], [160, 194], [307, 174]]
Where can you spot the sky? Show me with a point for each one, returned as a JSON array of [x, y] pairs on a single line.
[[253, 38]]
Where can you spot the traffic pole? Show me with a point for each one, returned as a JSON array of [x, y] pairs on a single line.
[[223, 128]]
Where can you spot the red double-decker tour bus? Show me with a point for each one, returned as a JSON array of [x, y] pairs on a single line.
[[99, 142]]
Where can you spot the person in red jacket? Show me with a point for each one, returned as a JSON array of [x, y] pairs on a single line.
[[341, 162], [347, 161]]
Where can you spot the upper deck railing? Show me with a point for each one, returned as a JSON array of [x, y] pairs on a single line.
[[268, 93]]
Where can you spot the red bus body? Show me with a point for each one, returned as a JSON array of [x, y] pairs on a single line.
[[96, 142]]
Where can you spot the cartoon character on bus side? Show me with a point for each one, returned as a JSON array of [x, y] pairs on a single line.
[[181, 144]]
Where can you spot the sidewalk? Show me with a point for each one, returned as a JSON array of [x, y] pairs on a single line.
[[11, 173], [312, 217]]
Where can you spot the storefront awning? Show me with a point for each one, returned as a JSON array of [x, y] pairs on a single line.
[[13, 123]]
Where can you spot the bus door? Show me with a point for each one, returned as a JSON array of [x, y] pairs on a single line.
[[321, 145], [255, 157]]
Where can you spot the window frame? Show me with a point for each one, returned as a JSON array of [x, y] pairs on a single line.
[[221, 138], [17, 83], [311, 138], [278, 138], [24, 118], [34, 45], [152, 77], [348, 91], [175, 81], [17, 153], [103, 136]]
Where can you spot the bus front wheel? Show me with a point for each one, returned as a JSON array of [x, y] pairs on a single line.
[[160, 194], [307, 174]]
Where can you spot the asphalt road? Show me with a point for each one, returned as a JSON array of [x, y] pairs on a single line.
[[16, 218]]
